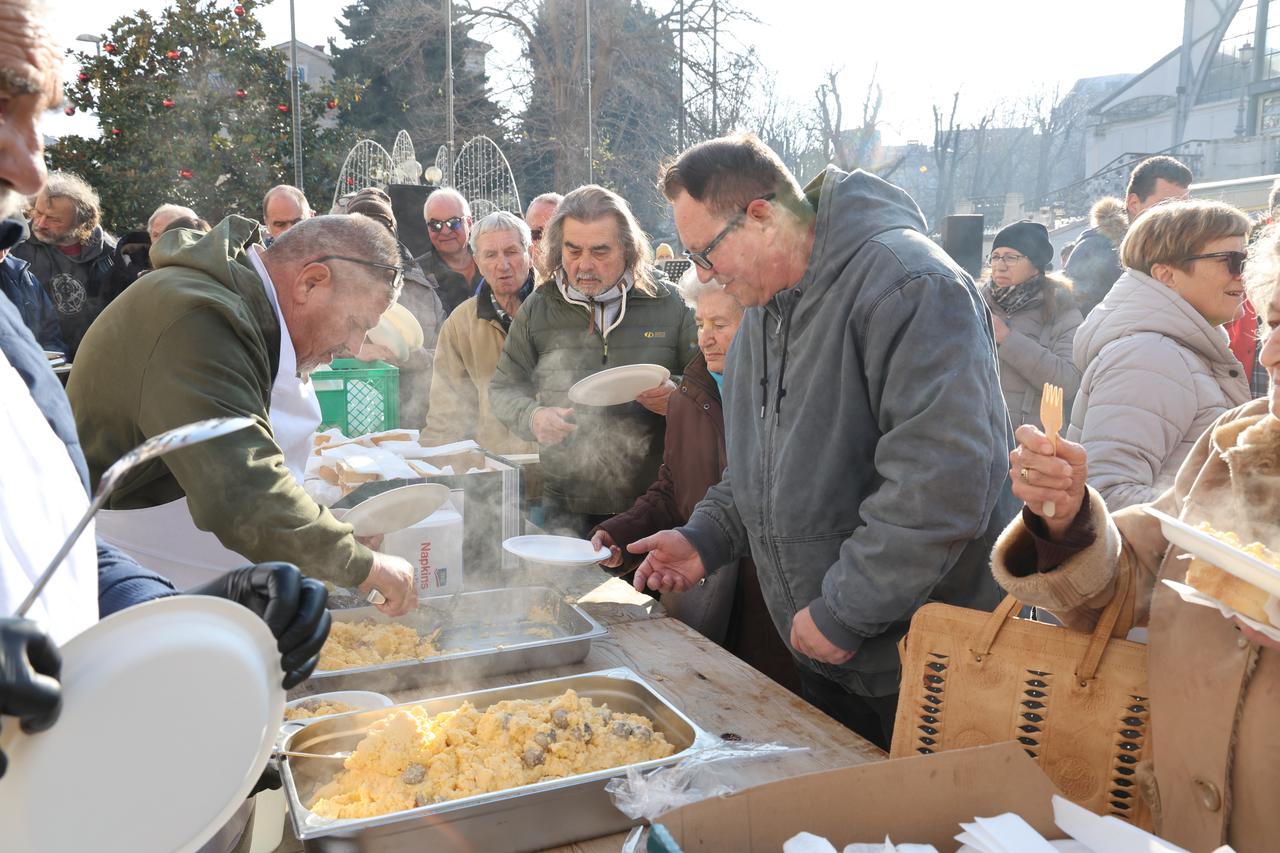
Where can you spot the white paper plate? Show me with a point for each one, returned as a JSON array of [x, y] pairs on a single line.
[[618, 385], [397, 330], [1191, 595], [170, 712], [396, 509], [555, 550], [1213, 550]]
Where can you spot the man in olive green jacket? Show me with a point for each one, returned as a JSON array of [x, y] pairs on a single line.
[[201, 337], [603, 307]]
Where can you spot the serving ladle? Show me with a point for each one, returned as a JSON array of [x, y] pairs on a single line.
[[183, 436]]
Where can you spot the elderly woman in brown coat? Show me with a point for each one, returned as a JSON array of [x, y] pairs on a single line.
[[728, 606], [1214, 755]]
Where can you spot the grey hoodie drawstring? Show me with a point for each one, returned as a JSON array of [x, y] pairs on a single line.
[[764, 358], [788, 306], [787, 311]]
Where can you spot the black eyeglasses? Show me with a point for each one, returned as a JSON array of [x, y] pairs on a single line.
[[700, 258], [535, 234], [1008, 259], [454, 223], [1235, 261], [398, 272]]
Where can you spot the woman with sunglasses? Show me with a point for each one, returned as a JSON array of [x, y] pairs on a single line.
[[1034, 318], [1157, 367]]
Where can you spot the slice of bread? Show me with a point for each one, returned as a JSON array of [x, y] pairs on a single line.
[[1241, 596]]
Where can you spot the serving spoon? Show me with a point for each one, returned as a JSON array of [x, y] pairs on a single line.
[[165, 442]]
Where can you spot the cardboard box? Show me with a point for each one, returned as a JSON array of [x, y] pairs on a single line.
[[919, 800]]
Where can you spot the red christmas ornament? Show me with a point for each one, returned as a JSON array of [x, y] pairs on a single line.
[[172, 54], [333, 103], [241, 93], [115, 131], [186, 174], [167, 103], [83, 77], [239, 10], [109, 47], [70, 111], [284, 108]]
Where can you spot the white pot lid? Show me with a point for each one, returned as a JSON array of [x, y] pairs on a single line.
[[170, 712]]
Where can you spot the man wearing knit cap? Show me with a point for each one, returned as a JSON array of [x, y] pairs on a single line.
[[421, 298]]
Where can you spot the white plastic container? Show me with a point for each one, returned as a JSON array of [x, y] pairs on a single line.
[[433, 547]]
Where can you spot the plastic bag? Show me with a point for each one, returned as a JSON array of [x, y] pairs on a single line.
[[706, 773]]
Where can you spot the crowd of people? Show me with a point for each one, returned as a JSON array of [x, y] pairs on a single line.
[[852, 427]]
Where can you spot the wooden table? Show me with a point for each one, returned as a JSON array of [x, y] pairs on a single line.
[[712, 687]]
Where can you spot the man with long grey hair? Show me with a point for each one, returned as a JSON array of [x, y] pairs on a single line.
[[601, 306], [70, 254]]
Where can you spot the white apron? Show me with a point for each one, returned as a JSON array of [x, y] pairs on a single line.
[[164, 538], [41, 499]]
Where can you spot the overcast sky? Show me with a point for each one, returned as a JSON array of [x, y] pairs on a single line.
[[921, 50]]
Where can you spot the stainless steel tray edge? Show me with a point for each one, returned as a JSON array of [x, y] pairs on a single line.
[[497, 660], [438, 814]]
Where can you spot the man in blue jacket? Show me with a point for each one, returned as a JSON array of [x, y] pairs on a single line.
[[33, 304], [867, 433]]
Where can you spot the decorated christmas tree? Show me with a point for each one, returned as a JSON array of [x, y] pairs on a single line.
[[194, 108]]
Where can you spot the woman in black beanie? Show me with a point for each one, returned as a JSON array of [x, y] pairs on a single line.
[[1035, 319]]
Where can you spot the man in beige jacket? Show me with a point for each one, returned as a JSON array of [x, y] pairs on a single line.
[[471, 340]]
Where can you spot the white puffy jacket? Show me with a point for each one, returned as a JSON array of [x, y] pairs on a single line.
[[1156, 375]]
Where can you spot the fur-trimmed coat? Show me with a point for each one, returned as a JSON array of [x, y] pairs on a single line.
[[1214, 754], [1094, 264]]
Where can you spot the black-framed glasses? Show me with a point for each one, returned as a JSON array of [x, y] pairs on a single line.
[[453, 223], [700, 258], [397, 278], [535, 234], [1008, 259], [1235, 261]]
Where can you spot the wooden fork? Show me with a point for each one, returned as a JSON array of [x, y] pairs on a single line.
[[1051, 418]]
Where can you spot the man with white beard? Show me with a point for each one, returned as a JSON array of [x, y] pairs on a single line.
[[603, 306]]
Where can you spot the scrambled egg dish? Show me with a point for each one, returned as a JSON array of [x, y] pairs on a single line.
[[410, 759], [316, 708], [1253, 549], [369, 643]]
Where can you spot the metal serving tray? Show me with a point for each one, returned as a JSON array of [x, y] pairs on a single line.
[[531, 817], [491, 632]]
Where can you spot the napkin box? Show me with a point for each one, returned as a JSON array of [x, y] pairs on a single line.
[[488, 498], [918, 800]]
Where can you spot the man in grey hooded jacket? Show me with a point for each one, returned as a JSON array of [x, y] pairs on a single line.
[[867, 434]]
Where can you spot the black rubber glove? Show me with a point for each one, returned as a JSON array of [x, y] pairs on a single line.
[[292, 606], [30, 666], [268, 781]]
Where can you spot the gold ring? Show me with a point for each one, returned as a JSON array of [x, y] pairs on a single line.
[[1022, 472]]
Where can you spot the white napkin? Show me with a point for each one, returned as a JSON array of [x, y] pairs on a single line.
[[455, 447], [1006, 833], [806, 842], [1105, 834]]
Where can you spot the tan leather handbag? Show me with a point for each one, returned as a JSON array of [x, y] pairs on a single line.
[[1076, 702]]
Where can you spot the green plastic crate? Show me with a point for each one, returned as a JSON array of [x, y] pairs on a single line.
[[358, 396]]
